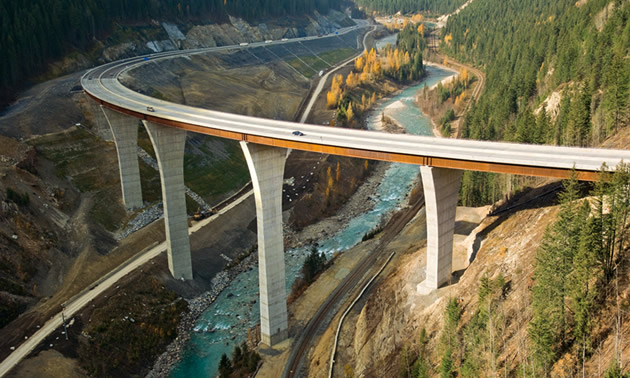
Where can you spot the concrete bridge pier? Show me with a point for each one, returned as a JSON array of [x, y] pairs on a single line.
[[125, 132], [102, 125], [266, 167], [168, 144], [441, 189]]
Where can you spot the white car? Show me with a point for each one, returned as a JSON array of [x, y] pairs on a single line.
[[268, 41]]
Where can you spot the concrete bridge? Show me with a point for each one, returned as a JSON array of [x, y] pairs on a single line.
[[265, 144]]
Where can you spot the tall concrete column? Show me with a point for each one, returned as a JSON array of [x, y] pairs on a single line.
[[441, 189], [266, 167], [168, 144], [125, 131], [102, 127]]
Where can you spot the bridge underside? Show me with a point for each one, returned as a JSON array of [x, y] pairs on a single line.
[[465, 165], [265, 159]]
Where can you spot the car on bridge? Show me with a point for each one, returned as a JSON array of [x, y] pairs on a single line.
[[150, 109], [298, 133]]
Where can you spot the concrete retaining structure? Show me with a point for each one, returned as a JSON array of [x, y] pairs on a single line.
[[168, 144], [266, 167], [441, 189]]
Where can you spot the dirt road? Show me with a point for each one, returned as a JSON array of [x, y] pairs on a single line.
[[320, 85], [83, 298]]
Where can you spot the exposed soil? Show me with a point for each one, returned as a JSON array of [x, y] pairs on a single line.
[[94, 255], [45, 108]]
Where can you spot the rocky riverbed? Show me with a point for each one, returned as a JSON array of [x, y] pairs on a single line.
[[363, 200], [196, 307]]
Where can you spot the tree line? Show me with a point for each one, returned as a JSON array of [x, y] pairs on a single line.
[[35, 32], [401, 63], [530, 49]]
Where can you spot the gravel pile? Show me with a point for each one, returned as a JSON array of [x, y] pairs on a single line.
[[146, 216]]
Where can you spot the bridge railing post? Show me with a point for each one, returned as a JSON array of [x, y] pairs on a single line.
[[125, 132], [441, 190], [266, 167], [169, 144]]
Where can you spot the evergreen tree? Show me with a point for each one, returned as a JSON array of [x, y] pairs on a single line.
[[225, 366], [554, 263]]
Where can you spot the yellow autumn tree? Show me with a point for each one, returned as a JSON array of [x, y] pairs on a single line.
[[376, 70], [463, 76], [349, 112], [331, 99], [359, 63], [448, 38], [330, 182], [364, 77], [333, 95], [459, 101], [421, 29], [417, 18], [351, 80]]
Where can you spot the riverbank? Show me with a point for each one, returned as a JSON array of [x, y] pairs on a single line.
[[196, 306], [444, 81], [364, 199], [373, 203]]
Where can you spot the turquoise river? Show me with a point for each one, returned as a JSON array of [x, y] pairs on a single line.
[[226, 322]]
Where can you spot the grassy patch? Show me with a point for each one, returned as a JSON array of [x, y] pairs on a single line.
[[213, 181], [151, 186], [302, 68], [79, 156], [134, 326], [106, 210], [91, 165], [315, 62], [338, 55], [309, 65]]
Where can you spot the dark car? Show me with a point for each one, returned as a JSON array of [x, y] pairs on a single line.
[[298, 133], [150, 109]]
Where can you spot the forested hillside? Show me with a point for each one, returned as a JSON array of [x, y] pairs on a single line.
[[557, 73], [34, 32], [408, 6], [530, 49]]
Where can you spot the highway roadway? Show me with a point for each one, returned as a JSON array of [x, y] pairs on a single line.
[[106, 282], [103, 85]]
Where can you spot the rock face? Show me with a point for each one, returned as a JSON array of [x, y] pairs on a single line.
[[233, 32], [394, 314]]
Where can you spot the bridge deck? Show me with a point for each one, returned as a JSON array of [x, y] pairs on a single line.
[[532, 160]]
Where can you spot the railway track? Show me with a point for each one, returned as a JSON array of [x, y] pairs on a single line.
[[351, 282]]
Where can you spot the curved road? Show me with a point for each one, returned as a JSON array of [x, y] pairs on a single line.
[[103, 85], [83, 298], [322, 80]]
